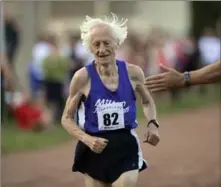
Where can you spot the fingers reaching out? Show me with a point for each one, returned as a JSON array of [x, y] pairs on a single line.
[[164, 68]]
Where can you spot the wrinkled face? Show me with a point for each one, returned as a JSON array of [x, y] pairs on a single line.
[[103, 45]]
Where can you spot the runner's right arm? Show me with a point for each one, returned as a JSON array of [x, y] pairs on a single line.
[[78, 83], [75, 94]]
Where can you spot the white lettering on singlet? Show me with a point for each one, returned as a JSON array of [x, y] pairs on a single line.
[[107, 102]]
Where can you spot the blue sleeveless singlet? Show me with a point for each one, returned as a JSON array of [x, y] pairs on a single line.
[[105, 110]]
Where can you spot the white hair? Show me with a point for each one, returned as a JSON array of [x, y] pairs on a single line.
[[118, 28]]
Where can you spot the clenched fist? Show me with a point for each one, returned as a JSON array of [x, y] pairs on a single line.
[[96, 144], [152, 136]]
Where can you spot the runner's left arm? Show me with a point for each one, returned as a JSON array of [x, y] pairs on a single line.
[[147, 101]]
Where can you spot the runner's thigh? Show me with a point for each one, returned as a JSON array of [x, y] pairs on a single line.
[[127, 179], [90, 182]]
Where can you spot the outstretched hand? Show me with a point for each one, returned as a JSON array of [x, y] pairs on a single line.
[[170, 78]]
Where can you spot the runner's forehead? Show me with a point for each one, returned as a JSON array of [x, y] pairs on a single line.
[[102, 33]]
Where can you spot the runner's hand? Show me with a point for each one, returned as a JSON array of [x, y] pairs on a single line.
[[96, 144], [152, 136]]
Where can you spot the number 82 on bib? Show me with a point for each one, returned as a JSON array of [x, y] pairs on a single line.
[[110, 116]]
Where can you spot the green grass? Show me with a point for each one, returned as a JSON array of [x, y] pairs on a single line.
[[16, 140], [187, 100]]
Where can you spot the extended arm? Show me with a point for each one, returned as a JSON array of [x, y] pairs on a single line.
[[170, 78], [207, 75]]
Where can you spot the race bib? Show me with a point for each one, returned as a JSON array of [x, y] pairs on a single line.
[[110, 116]]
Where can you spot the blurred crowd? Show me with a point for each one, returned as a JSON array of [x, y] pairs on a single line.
[[53, 64]]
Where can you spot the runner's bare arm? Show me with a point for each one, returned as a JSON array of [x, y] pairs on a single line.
[[75, 93], [206, 75], [137, 77]]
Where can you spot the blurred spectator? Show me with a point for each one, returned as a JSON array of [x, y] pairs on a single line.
[[70, 52], [55, 69], [124, 52], [150, 55], [40, 51], [81, 53], [155, 50], [31, 115], [27, 115], [70, 44], [170, 50], [6, 79], [9, 83], [76, 51], [132, 51], [209, 46], [12, 38], [191, 55]]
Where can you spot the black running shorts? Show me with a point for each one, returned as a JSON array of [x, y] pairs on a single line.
[[122, 154]]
